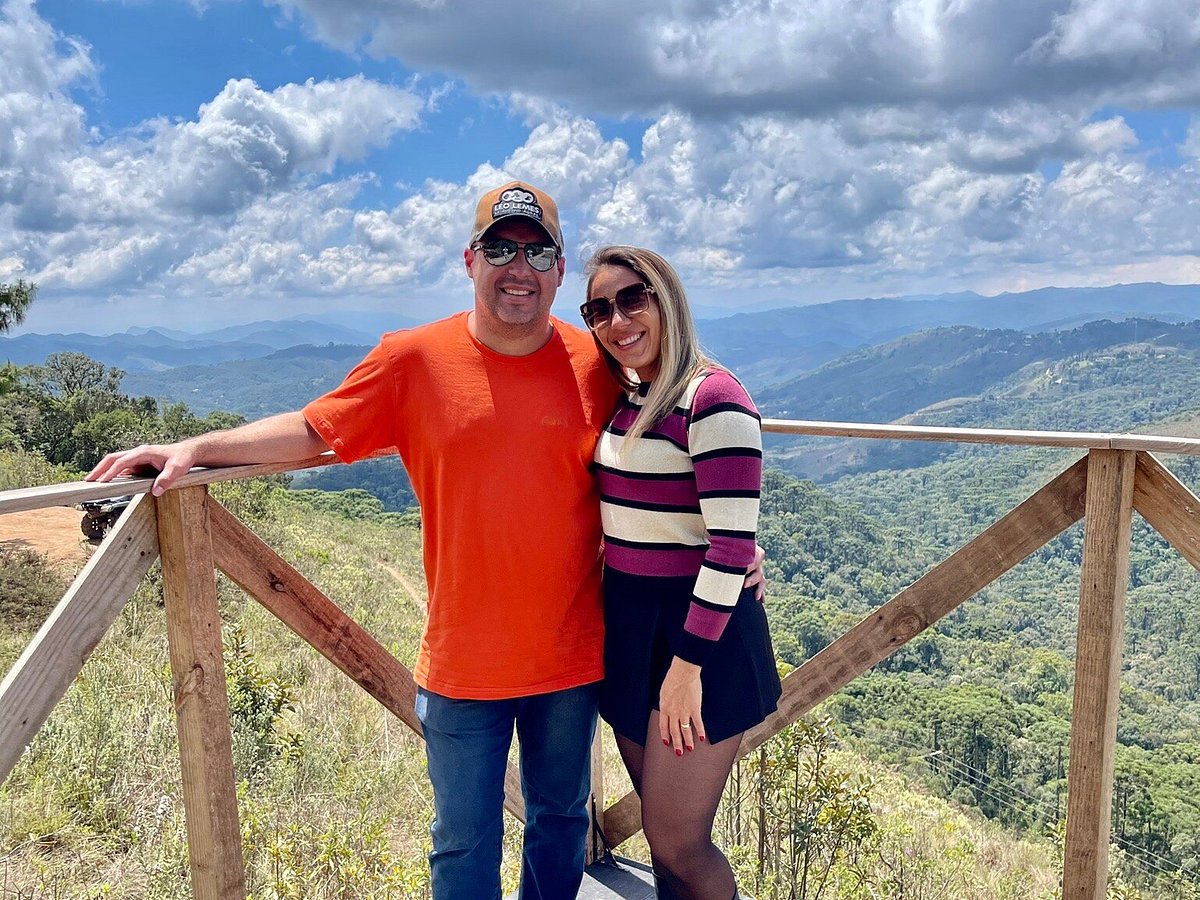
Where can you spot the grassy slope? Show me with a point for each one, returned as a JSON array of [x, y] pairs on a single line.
[[334, 801]]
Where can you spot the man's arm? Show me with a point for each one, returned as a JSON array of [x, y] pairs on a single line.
[[286, 437]]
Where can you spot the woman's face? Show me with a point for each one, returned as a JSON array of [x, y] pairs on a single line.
[[634, 339]]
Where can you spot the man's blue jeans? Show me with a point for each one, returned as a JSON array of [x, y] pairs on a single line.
[[466, 743]]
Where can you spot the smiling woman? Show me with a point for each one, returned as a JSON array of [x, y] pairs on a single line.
[[687, 656]]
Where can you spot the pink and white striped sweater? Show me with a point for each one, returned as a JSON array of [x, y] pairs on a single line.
[[682, 500]]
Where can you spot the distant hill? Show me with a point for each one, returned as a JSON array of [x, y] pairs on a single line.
[[764, 348], [158, 350], [768, 347], [274, 382], [1103, 376]]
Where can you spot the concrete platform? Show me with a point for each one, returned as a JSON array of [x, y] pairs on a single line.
[[622, 879]]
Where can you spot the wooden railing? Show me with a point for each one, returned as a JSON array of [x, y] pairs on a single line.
[[194, 535]]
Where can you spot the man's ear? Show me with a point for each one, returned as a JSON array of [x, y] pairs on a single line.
[[469, 260], [562, 267]]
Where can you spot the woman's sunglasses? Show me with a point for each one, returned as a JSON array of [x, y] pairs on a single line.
[[631, 299], [501, 252]]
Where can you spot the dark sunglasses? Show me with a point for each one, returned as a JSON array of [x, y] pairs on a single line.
[[501, 251], [631, 299]]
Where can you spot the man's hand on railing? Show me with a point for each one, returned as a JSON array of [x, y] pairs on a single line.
[[286, 437], [170, 461]]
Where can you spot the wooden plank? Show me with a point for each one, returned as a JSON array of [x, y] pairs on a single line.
[[514, 794], [595, 849], [1166, 503], [78, 491], [301, 606], [1153, 443], [1105, 578], [1083, 440], [1041, 517], [55, 656], [290, 597], [201, 701], [72, 492]]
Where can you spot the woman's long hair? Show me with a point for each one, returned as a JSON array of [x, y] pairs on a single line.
[[680, 358]]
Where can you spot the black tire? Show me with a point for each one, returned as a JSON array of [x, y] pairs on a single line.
[[94, 528]]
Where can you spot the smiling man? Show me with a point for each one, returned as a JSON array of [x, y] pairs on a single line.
[[495, 412]]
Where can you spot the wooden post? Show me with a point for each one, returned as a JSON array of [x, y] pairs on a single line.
[[201, 699], [595, 847], [1108, 514], [55, 657]]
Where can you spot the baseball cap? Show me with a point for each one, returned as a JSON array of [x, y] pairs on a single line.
[[517, 199]]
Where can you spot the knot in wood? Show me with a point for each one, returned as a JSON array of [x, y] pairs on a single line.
[[907, 624], [189, 685], [276, 584]]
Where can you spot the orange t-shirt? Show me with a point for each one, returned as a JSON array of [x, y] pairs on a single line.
[[498, 449]]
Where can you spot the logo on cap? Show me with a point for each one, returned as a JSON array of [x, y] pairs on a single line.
[[517, 202]]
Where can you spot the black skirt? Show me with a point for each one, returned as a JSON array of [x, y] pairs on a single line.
[[739, 681]]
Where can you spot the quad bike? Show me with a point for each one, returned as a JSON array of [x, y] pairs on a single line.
[[100, 515]]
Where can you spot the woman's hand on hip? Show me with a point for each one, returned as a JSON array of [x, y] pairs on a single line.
[[679, 721]]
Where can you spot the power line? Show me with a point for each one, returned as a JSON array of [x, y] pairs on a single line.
[[986, 782]]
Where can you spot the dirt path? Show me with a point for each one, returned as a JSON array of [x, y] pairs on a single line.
[[53, 532], [418, 597]]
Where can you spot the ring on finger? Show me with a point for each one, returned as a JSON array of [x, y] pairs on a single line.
[[685, 725]]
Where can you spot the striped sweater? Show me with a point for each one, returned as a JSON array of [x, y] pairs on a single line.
[[682, 500]]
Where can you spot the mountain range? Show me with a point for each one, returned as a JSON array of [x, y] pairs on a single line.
[[763, 347]]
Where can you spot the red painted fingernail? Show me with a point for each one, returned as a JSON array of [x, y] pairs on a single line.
[[678, 752], [665, 742], [702, 737]]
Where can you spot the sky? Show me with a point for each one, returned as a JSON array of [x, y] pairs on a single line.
[[200, 163]]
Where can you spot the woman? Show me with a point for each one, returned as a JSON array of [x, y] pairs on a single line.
[[688, 659]]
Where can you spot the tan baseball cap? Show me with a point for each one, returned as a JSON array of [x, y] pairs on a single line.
[[517, 199]]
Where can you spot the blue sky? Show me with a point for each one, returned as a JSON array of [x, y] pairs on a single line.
[[194, 164]]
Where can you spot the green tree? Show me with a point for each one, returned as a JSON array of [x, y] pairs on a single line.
[[15, 300]]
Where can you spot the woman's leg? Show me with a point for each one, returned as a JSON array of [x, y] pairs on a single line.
[[680, 795], [631, 755]]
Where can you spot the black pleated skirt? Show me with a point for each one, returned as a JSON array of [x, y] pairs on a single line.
[[739, 681]]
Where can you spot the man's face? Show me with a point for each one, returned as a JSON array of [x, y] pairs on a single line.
[[516, 295]]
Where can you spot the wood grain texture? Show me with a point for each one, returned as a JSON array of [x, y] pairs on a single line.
[[1045, 514], [301, 606], [595, 848], [55, 656], [1104, 580], [78, 491], [1168, 505], [1083, 440], [72, 492], [201, 701]]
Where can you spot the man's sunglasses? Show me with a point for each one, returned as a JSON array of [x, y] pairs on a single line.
[[631, 299], [501, 251]]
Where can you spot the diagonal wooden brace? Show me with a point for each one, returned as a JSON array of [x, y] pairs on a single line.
[[1043, 516]]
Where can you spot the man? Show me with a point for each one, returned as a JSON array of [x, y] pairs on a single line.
[[495, 413]]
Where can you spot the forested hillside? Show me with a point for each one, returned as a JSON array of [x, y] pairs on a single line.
[[332, 794], [1103, 376], [980, 704], [975, 711], [278, 381]]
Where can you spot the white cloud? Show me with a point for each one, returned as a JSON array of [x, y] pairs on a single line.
[[248, 142], [227, 198], [41, 124], [841, 148], [762, 56]]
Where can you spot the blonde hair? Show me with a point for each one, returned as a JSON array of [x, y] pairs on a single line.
[[680, 358]]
